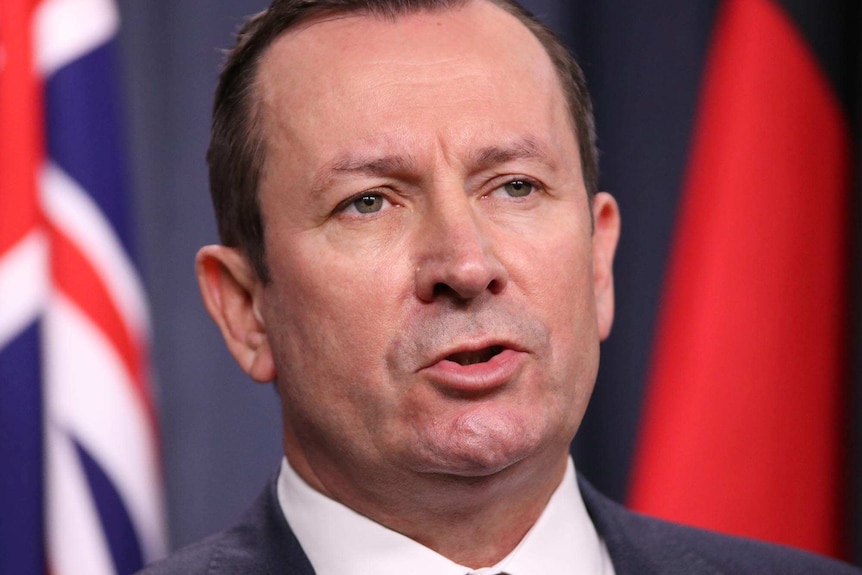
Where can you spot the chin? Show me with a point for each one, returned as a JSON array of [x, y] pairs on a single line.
[[479, 447]]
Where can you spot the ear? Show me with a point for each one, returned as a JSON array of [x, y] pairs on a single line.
[[232, 293], [606, 218]]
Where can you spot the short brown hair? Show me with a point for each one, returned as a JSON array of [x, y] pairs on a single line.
[[236, 152]]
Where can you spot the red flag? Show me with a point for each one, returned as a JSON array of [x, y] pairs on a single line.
[[742, 427]]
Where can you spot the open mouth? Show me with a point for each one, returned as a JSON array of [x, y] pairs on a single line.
[[474, 357]]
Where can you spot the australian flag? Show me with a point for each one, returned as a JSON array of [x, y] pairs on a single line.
[[80, 480]]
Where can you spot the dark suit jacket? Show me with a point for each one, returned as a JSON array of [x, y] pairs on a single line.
[[263, 543]]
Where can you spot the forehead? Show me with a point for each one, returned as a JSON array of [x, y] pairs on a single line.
[[464, 71]]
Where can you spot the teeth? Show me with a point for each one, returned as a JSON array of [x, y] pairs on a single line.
[[474, 357]]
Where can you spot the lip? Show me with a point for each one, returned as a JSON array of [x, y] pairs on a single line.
[[478, 377]]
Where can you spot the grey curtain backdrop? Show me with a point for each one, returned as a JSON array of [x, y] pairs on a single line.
[[221, 432]]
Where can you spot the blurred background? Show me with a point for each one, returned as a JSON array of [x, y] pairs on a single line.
[[728, 393]]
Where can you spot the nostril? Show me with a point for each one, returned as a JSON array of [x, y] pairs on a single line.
[[495, 286], [444, 290], [441, 289]]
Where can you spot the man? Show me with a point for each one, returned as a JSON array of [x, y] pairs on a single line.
[[415, 251]]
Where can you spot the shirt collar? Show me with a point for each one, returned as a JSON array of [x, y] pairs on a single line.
[[563, 540]]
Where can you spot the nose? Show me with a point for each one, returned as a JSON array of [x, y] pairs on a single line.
[[457, 259]]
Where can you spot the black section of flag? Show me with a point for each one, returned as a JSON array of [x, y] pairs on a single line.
[[832, 29]]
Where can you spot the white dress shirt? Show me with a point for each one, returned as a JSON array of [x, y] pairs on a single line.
[[339, 541]]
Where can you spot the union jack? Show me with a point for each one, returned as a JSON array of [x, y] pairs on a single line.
[[80, 480]]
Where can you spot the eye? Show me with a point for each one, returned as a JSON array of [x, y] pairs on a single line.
[[518, 188], [365, 204], [368, 203]]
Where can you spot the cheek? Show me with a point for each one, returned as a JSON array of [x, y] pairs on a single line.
[[557, 282], [554, 272], [330, 327], [332, 322]]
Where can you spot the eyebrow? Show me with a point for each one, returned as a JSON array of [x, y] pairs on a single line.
[[352, 164], [527, 148], [373, 166]]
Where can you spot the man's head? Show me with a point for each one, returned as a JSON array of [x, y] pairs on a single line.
[[237, 151], [438, 277]]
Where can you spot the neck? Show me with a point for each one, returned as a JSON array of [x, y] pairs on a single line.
[[484, 522], [473, 521]]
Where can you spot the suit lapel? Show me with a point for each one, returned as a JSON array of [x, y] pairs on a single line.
[[640, 545], [261, 544]]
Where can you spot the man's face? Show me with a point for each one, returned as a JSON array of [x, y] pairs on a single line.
[[437, 296]]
